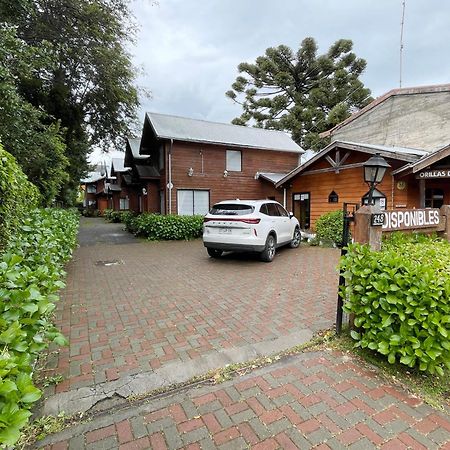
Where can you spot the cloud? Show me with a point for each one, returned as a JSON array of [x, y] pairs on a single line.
[[190, 50]]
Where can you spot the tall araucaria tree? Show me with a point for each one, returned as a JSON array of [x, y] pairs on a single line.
[[301, 92], [89, 88]]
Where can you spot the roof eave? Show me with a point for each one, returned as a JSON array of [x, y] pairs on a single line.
[[382, 98], [229, 144]]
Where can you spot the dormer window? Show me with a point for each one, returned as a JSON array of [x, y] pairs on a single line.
[[333, 197]]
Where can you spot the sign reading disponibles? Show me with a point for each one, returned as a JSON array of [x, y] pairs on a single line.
[[411, 219], [443, 173]]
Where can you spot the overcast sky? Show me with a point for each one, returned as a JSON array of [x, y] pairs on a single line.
[[188, 51]]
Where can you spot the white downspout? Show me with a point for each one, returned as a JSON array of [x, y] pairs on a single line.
[[170, 186], [284, 197]]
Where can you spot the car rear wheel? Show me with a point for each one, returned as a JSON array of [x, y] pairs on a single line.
[[268, 253], [296, 238], [214, 252]]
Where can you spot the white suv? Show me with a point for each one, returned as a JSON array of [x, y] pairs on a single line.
[[249, 226]]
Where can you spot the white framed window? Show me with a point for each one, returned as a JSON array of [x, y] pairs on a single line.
[[91, 189], [124, 203], [190, 202], [234, 161]]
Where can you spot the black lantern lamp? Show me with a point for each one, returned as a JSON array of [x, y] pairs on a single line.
[[374, 170]]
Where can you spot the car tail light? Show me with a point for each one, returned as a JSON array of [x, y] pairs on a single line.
[[249, 221]]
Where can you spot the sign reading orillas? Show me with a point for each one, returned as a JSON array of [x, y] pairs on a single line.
[[410, 219], [442, 173]]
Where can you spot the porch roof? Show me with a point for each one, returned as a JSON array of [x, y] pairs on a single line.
[[270, 176], [425, 161]]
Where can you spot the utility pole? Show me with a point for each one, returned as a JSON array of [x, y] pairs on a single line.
[[401, 40]]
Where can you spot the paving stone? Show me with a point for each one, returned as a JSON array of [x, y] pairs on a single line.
[[177, 309], [105, 444], [195, 435], [278, 426], [223, 418], [76, 442], [440, 436], [138, 427], [173, 437], [243, 416]]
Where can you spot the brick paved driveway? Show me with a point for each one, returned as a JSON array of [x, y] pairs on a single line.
[[131, 306], [320, 400]]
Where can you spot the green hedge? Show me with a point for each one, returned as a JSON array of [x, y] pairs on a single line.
[[118, 216], [329, 227], [401, 300], [31, 269], [17, 196], [170, 227]]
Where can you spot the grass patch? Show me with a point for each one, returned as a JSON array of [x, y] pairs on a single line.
[[44, 426]]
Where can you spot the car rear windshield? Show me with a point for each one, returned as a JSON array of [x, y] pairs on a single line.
[[230, 209]]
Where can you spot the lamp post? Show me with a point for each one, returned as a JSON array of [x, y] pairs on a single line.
[[374, 170]]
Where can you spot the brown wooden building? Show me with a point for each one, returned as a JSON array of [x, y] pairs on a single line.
[[94, 193], [198, 163], [409, 127]]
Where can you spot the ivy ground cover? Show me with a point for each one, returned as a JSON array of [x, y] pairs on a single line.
[[31, 272]]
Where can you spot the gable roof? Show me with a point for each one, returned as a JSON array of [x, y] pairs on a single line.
[[425, 161], [202, 131], [400, 91], [117, 164], [135, 144], [92, 177], [399, 153]]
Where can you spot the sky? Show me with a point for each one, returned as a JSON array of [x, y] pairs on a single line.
[[187, 52]]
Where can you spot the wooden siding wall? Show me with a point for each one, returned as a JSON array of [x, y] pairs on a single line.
[[350, 186], [237, 184]]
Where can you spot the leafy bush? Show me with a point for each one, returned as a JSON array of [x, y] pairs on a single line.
[[117, 216], [30, 276], [107, 213], [170, 227], [400, 299], [329, 227], [17, 196]]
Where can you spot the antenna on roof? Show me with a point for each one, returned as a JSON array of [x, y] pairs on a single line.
[[401, 40]]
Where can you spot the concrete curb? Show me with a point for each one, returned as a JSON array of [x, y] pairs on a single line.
[[83, 399]]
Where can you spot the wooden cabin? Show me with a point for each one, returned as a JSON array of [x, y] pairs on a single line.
[[197, 163], [409, 127]]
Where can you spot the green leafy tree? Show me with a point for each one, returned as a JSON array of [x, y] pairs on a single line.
[[36, 142], [89, 87], [301, 92]]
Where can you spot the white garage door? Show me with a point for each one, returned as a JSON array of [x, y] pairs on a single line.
[[192, 202]]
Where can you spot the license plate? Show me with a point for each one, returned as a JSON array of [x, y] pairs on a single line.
[[224, 230]]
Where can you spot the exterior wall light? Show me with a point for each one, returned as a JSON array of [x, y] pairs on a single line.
[[225, 173], [190, 172], [374, 170]]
